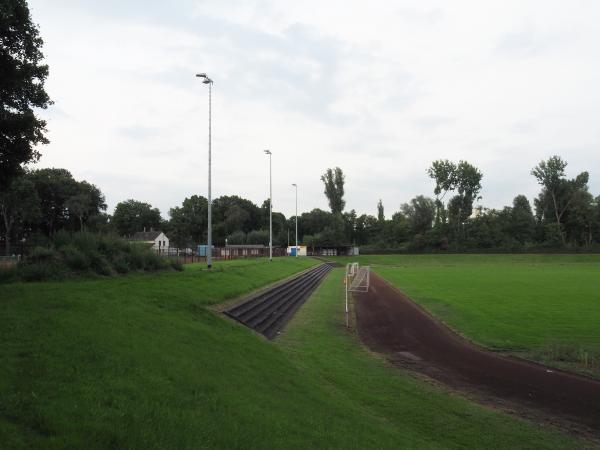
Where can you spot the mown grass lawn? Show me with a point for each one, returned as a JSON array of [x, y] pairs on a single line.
[[545, 307], [135, 361], [141, 362], [402, 411]]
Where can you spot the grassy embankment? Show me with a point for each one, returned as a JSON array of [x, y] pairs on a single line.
[[140, 362], [543, 307]]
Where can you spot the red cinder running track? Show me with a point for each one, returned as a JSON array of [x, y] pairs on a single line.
[[390, 323]]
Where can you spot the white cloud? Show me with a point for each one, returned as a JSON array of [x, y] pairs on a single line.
[[379, 89]]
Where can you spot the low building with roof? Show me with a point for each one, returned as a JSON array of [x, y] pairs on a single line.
[[157, 240]]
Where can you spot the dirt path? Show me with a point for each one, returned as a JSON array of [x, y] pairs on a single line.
[[390, 323]]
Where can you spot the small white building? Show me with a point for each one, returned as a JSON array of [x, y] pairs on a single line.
[[157, 240], [291, 250]]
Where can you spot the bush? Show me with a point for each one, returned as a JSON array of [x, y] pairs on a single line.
[[176, 265], [136, 257], [9, 274], [86, 242], [86, 253], [99, 263], [121, 264], [113, 247], [42, 255], [153, 262], [61, 239], [75, 258], [40, 272]]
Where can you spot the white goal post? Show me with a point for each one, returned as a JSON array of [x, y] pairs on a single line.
[[357, 280]]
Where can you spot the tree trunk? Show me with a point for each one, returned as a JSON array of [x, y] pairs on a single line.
[[8, 223], [558, 215]]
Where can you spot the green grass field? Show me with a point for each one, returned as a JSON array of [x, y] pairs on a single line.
[[140, 362], [543, 307]]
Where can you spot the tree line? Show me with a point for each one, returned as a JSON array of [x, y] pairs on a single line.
[[39, 203], [565, 214]]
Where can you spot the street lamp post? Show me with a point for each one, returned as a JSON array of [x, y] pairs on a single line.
[[268, 152], [296, 186], [207, 80]]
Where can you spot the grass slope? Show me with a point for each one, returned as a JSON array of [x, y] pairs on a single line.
[[140, 362], [546, 307], [134, 362]]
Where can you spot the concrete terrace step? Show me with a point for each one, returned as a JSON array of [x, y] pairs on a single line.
[[269, 311]]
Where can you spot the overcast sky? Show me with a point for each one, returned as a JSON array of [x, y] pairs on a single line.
[[378, 88]]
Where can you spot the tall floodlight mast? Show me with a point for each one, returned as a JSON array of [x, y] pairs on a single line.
[[296, 186], [268, 152], [207, 80]]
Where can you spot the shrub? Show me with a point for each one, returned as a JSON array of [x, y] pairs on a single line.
[[113, 247], [39, 271], [75, 258], [42, 255], [153, 262], [9, 274], [86, 242], [99, 264], [136, 257], [176, 265], [121, 264], [86, 253], [62, 239]]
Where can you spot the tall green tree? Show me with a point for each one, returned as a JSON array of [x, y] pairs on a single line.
[[54, 187], [558, 192], [87, 202], [462, 178], [521, 224], [334, 189], [467, 184], [443, 172], [22, 78], [57, 190], [420, 213], [132, 216], [313, 222], [19, 204], [350, 225], [380, 211], [579, 220], [188, 224]]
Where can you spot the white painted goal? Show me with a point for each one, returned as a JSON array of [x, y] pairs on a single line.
[[357, 280]]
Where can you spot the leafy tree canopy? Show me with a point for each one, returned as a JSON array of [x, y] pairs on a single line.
[[132, 216], [334, 189], [22, 78]]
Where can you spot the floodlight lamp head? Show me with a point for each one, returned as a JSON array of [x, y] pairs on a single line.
[[201, 75], [268, 152], [294, 184]]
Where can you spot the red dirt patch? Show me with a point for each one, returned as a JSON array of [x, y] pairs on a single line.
[[390, 323]]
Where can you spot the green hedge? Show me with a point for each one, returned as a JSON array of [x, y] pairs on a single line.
[[87, 254]]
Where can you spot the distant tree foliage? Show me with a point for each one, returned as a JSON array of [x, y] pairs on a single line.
[[188, 224], [132, 216], [334, 189], [521, 221], [380, 211], [420, 214], [57, 190], [22, 78], [462, 178], [19, 205], [41, 203], [558, 192]]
